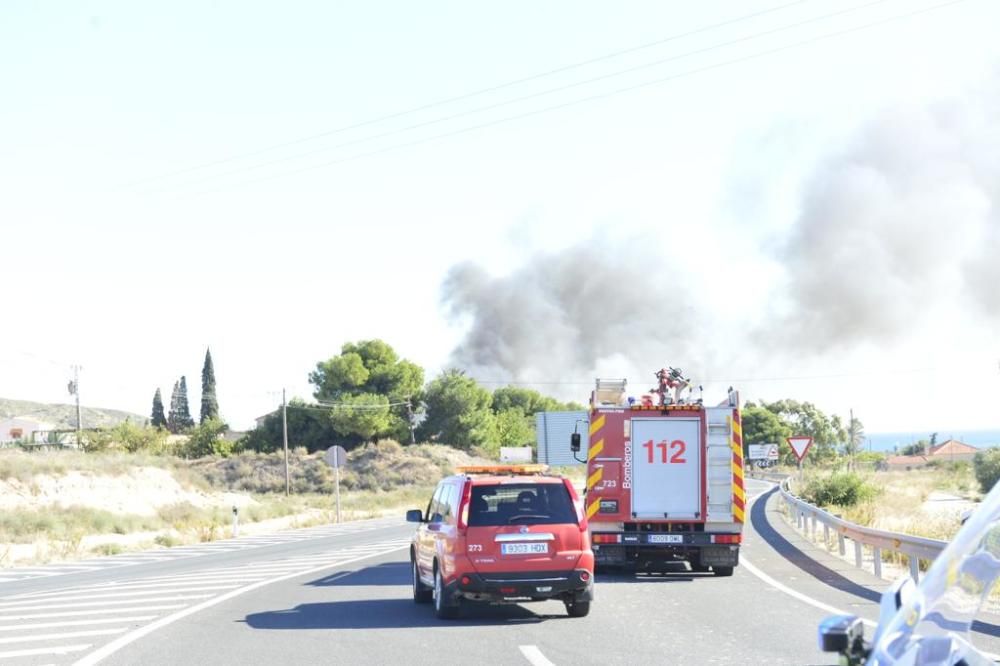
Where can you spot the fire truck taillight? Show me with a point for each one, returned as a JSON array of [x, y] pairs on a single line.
[[606, 538], [726, 538]]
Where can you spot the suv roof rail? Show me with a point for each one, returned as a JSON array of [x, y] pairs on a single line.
[[502, 469]]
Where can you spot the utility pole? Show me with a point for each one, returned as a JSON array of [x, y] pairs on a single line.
[[409, 419], [284, 431], [74, 389]]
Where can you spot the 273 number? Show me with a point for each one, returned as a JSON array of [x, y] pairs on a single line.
[[669, 453]]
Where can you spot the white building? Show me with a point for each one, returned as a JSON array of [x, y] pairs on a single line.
[[25, 429]]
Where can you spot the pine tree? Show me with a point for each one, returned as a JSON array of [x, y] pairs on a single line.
[[158, 420], [173, 424], [209, 402], [184, 420]]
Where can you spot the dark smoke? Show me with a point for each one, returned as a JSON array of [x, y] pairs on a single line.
[[568, 315], [906, 216]]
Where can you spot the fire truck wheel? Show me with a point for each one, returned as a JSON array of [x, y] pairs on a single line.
[[577, 608], [723, 571]]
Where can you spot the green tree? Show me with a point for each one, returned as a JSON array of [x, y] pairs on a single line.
[[371, 367], [206, 439], [987, 468], [158, 418], [366, 415], [527, 401], [209, 400], [762, 426], [184, 420], [805, 419], [917, 448], [855, 437], [308, 426], [514, 428], [458, 412], [173, 416]]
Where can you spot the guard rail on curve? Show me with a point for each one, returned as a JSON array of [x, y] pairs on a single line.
[[915, 548]]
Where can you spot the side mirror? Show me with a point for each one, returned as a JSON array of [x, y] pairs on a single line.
[[414, 516], [574, 442], [843, 634]]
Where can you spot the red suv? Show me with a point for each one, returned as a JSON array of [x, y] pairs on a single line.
[[504, 534]]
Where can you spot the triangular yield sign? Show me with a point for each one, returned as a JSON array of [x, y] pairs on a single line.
[[800, 446]]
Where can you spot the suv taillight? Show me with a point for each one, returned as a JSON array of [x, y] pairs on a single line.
[[463, 508]]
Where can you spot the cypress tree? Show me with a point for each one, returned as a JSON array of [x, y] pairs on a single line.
[[158, 420], [173, 416], [209, 402], [184, 420]]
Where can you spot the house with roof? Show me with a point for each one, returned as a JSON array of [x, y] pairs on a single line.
[[949, 451], [26, 429]]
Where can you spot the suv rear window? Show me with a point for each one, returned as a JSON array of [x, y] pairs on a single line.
[[520, 503]]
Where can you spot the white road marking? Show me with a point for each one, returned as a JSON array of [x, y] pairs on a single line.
[[113, 602], [68, 634], [781, 587], [108, 611], [534, 655], [99, 594], [97, 655], [59, 649], [76, 623]]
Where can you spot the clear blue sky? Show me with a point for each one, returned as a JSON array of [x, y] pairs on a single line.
[[128, 249]]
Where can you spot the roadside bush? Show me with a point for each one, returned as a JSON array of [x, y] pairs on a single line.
[[986, 465], [206, 440], [840, 488], [126, 436]]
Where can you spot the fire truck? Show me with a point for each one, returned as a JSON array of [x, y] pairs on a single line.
[[664, 477]]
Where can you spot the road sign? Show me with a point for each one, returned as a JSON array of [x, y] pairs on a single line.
[[800, 446], [763, 452], [336, 456]]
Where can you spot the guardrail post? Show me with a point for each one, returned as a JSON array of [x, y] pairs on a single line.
[[841, 546], [914, 568], [812, 526], [858, 555], [826, 536], [877, 557]]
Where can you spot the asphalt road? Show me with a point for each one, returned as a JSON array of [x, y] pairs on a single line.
[[339, 595]]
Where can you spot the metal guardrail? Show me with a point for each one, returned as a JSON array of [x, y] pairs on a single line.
[[808, 516]]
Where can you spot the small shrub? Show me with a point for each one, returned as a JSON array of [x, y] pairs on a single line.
[[107, 549], [987, 468], [166, 540], [840, 489]]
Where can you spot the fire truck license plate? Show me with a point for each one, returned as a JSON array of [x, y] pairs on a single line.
[[666, 538], [524, 548]]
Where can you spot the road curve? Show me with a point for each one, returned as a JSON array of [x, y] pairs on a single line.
[[344, 597]]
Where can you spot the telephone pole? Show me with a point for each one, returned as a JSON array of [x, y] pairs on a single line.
[[284, 431], [409, 419], [74, 389]]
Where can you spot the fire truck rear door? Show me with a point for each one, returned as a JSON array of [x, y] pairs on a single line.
[[666, 470]]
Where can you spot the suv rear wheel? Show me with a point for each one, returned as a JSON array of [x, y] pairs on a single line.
[[577, 608], [421, 593], [442, 608], [723, 571]]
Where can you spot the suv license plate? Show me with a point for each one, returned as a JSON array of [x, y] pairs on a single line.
[[524, 548], [666, 538]]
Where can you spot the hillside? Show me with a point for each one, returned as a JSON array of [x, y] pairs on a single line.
[[64, 416]]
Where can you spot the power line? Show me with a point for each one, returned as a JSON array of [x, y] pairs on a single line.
[[542, 93], [475, 93], [591, 98]]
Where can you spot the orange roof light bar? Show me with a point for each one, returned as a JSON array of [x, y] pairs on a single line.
[[502, 469]]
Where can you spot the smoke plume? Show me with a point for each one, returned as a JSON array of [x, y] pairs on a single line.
[[904, 217], [568, 316]]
